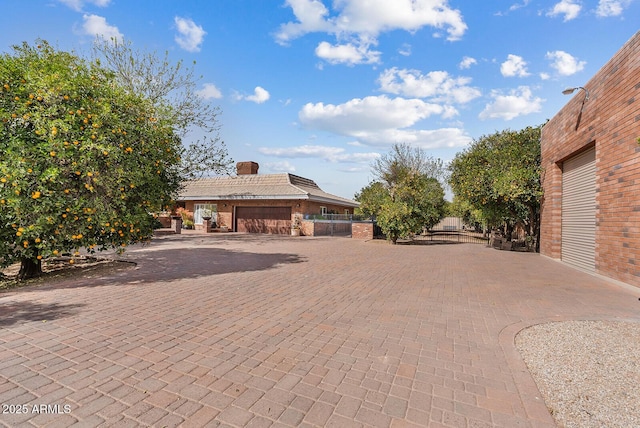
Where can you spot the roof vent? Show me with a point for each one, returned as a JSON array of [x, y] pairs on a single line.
[[247, 168]]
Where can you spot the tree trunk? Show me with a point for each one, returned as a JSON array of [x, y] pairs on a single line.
[[29, 269]]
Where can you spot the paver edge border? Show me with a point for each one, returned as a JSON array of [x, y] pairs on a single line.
[[530, 395]]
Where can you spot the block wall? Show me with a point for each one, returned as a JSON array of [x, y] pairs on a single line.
[[362, 230], [609, 121]]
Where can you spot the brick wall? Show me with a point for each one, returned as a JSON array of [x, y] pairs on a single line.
[[362, 230], [610, 121]]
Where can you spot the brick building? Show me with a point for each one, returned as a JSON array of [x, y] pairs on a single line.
[[252, 202], [591, 173]]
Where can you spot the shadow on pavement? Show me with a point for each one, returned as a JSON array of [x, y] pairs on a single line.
[[169, 264], [15, 312]]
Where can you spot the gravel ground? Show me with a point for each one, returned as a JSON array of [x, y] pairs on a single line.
[[588, 372]]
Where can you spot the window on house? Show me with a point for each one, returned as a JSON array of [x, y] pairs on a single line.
[[205, 210], [323, 210], [346, 211]]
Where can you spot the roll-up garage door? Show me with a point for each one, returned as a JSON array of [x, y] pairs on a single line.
[[263, 219], [579, 211]]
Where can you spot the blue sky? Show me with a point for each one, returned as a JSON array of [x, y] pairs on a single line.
[[320, 88]]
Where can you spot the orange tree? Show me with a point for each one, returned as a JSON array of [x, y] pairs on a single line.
[[498, 176], [83, 163]]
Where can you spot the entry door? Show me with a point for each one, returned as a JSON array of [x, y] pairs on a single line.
[[579, 211]]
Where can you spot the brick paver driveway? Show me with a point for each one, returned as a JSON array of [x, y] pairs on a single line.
[[242, 330]]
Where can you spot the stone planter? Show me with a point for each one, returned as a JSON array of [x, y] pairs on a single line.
[[295, 232]]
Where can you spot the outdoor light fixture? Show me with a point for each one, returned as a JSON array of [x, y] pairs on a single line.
[[569, 91]]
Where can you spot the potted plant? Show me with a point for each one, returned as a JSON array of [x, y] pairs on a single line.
[[295, 226], [207, 214]]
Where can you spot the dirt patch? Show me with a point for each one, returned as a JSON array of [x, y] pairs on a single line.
[[64, 268]]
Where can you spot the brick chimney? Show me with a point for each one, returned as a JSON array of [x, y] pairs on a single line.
[[247, 168]]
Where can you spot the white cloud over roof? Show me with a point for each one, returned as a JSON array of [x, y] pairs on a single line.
[[369, 113], [518, 102], [190, 35], [382, 121], [330, 154], [564, 63], [514, 66], [282, 166]]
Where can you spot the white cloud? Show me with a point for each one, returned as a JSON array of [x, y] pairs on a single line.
[[364, 20], [190, 35], [370, 113], [467, 62], [513, 8], [518, 102], [77, 5], [95, 25], [514, 66], [329, 154], [611, 7], [311, 18], [283, 166], [405, 49], [545, 76], [437, 85], [565, 64], [209, 91], [517, 6], [428, 139], [349, 53], [382, 121], [260, 95], [371, 17], [569, 8]]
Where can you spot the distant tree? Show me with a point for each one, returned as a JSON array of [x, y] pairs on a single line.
[[389, 167], [407, 196], [499, 175], [84, 162], [172, 89]]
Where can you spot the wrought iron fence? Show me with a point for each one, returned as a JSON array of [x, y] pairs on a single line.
[[332, 224], [336, 217]]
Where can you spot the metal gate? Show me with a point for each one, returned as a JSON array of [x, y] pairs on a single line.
[[453, 229]]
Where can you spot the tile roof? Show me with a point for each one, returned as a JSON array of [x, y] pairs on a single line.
[[258, 186]]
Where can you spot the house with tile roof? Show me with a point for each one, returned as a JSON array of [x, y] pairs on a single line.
[[259, 203]]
